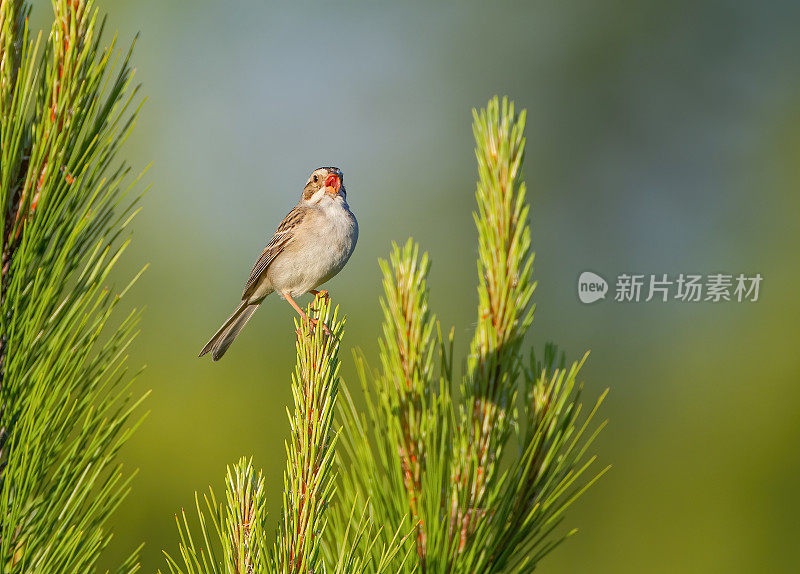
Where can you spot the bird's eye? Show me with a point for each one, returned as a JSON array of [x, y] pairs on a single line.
[[316, 178]]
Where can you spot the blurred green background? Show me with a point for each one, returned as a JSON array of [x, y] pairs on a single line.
[[662, 138]]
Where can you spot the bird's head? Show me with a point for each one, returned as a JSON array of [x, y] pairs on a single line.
[[324, 181]]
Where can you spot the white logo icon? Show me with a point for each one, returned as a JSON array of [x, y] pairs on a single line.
[[591, 287]]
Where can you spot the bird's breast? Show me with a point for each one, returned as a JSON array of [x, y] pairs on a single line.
[[318, 252], [336, 237]]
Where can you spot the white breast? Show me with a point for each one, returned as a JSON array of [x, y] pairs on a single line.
[[319, 250]]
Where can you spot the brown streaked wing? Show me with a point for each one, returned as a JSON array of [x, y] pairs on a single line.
[[282, 237]]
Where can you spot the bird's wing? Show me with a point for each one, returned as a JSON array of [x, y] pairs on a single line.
[[282, 237]]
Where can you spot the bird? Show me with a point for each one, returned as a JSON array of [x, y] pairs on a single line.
[[311, 245]]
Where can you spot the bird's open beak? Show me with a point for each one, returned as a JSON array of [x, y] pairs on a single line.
[[333, 184]]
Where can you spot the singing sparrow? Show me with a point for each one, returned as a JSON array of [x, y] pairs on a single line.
[[310, 246]]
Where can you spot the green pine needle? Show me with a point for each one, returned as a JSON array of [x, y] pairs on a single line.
[[67, 404]]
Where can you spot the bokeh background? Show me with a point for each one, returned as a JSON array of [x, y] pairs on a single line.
[[663, 137]]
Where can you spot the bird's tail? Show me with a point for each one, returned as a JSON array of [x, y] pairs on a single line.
[[223, 338]]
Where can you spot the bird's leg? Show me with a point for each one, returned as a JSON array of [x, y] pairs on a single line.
[[297, 308], [312, 322]]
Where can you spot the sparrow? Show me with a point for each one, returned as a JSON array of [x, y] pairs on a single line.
[[311, 245]]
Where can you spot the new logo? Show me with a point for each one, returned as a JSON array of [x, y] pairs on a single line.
[[591, 287]]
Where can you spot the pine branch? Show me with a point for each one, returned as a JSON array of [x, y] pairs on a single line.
[[504, 315], [13, 36], [231, 537], [66, 398], [308, 481], [358, 550], [238, 528], [246, 504], [407, 357], [541, 487]]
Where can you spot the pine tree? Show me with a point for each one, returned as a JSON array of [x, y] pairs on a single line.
[[66, 405], [428, 479]]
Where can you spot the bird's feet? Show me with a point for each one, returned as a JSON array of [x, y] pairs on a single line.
[[323, 294], [311, 321], [324, 326], [313, 325]]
